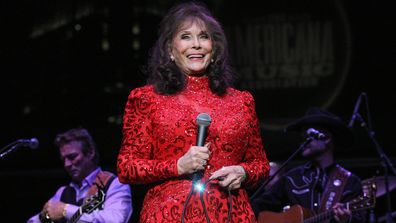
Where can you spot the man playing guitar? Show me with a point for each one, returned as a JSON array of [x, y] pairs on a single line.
[[321, 184], [74, 202]]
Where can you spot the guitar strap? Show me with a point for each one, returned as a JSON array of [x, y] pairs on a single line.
[[103, 179], [334, 187]]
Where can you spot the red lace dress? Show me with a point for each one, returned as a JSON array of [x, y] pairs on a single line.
[[159, 129]]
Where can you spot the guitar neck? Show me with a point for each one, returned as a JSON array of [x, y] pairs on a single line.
[[320, 217], [75, 216], [327, 215]]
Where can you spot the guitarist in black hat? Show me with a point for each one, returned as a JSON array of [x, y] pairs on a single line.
[[320, 185]]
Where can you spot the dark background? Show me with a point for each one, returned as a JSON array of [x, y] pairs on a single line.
[[73, 63]]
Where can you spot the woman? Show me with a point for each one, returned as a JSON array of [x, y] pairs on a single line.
[[189, 75]]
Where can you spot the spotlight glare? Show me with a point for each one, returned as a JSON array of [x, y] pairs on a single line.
[[199, 187]]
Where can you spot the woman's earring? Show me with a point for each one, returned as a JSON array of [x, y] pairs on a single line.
[[211, 60], [172, 58]]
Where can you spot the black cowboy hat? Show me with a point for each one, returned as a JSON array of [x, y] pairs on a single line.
[[314, 116]]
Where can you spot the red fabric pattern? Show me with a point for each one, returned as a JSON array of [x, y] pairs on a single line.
[[159, 129]]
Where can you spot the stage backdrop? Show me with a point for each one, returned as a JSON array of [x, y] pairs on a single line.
[[68, 64]]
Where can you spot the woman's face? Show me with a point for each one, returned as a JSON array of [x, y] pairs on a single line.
[[192, 48]]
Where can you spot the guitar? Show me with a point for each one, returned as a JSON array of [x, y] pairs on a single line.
[[298, 214], [92, 203]]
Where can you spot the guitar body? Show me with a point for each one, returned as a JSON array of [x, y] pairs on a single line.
[[296, 214]]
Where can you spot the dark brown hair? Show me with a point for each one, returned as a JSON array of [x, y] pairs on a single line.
[[165, 75]]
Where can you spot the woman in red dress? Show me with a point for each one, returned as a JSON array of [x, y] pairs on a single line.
[[189, 75]]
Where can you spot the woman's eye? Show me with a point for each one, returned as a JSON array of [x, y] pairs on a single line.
[[185, 36], [205, 36]]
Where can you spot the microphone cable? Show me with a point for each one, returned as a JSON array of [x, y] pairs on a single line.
[[187, 200], [229, 203], [203, 202]]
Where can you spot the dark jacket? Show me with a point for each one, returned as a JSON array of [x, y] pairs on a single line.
[[304, 185]]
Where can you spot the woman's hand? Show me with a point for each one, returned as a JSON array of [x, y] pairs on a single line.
[[195, 159], [230, 176]]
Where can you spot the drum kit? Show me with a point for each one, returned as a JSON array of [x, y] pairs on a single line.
[[380, 182]]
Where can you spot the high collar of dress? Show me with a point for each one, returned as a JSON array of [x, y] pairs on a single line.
[[197, 83]]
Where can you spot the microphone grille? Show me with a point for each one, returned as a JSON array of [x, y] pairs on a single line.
[[312, 131], [34, 143], [204, 119]]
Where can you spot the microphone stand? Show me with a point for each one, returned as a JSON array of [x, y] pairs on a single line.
[[268, 180], [385, 162], [9, 148]]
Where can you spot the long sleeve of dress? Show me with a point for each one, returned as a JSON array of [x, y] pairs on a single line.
[[135, 162], [255, 162]]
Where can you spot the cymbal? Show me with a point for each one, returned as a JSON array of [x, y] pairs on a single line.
[[380, 182]]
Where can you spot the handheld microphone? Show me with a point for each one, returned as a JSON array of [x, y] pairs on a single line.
[[311, 132], [32, 143], [203, 121], [355, 111]]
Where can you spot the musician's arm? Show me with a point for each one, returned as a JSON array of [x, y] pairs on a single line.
[[56, 197], [354, 189], [269, 200]]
